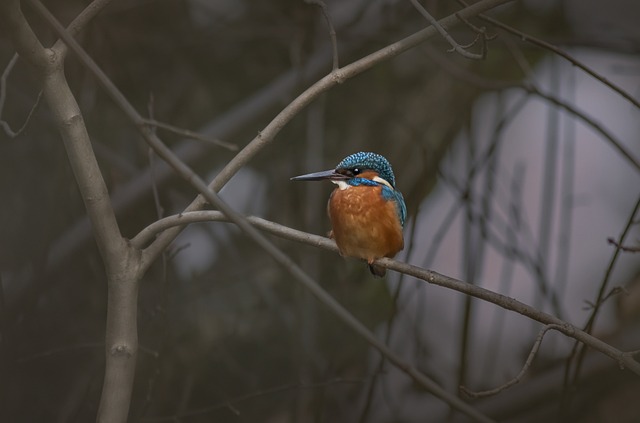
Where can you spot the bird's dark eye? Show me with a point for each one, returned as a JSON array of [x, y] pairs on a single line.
[[349, 172]]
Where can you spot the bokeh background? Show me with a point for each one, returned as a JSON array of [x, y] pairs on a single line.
[[505, 188]]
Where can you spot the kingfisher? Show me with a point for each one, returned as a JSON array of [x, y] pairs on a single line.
[[366, 210]]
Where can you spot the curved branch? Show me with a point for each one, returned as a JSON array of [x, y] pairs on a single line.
[[531, 89], [523, 371], [488, 84], [575, 62], [624, 359], [3, 96], [332, 32], [337, 76], [232, 121]]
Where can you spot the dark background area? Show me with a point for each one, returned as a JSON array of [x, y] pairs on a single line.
[[231, 337]]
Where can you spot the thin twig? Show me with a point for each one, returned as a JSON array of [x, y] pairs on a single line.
[[3, 97], [588, 328], [152, 167], [260, 393], [530, 88], [332, 31], [189, 134], [519, 376], [624, 248], [454, 45], [554, 49]]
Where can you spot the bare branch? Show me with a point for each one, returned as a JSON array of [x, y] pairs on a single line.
[[589, 121], [523, 371], [530, 88], [454, 45], [120, 260], [78, 24], [554, 49], [209, 195], [578, 352], [3, 97], [24, 39], [233, 120], [260, 393], [189, 134], [332, 31], [623, 247], [151, 154], [268, 134], [624, 359], [67, 115]]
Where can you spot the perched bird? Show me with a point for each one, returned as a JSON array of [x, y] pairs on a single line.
[[367, 212]]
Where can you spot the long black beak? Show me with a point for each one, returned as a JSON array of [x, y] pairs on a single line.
[[331, 175]]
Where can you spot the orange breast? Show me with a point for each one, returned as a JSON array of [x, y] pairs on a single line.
[[364, 224]]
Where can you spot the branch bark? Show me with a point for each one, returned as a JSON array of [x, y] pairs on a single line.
[[337, 76], [121, 261], [623, 359]]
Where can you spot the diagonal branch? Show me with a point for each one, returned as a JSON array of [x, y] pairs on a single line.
[[234, 119], [268, 134], [79, 23], [210, 196], [556, 50], [186, 133], [454, 44], [624, 359]]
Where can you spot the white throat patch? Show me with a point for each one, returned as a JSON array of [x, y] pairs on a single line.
[[342, 185]]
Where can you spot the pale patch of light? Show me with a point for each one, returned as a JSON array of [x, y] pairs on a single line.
[[382, 181], [342, 185]]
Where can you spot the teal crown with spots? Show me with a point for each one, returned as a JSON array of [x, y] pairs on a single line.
[[362, 161]]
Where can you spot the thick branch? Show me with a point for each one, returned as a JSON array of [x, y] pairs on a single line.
[[24, 39], [121, 261]]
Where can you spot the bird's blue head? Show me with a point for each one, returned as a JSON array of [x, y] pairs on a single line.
[[362, 161], [352, 166], [347, 172]]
